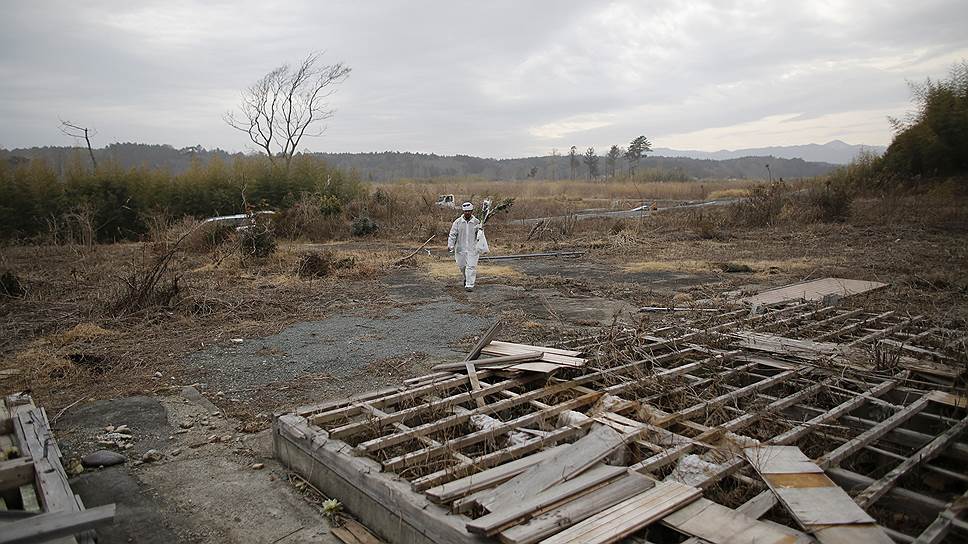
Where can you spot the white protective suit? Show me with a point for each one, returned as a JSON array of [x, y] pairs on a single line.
[[467, 241]]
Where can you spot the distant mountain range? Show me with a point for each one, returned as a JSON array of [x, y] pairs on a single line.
[[662, 164], [834, 152]]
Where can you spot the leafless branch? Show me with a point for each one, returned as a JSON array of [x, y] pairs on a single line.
[[77, 131], [286, 105]]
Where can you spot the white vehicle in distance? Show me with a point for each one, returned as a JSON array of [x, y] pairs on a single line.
[[241, 221]]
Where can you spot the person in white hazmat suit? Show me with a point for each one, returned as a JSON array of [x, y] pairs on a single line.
[[467, 243]]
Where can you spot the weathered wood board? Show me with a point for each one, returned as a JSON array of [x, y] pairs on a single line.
[[815, 290]]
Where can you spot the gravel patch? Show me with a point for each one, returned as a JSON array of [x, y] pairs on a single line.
[[340, 347]]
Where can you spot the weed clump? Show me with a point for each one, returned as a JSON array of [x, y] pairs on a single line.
[[11, 286], [321, 264], [363, 226], [763, 206], [257, 239]]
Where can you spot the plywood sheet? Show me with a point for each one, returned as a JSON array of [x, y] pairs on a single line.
[[815, 290], [780, 460]]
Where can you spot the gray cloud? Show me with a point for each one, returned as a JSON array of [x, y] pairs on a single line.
[[498, 78]]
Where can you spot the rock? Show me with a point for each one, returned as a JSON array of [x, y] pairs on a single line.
[[122, 429], [102, 458], [109, 429], [227, 438], [151, 456], [186, 424], [158, 375], [175, 452], [258, 466], [214, 438]]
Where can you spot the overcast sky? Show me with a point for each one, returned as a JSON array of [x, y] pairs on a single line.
[[498, 78]]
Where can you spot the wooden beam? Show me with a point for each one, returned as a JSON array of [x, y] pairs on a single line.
[[51, 525], [853, 326], [455, 444], [482, 480], [16, 472], [578, 509], [568, 463], [516, 512], [939, 528], [834, 457], [474, 354], [877, 489], [628, 516], [497, 457], [504, 360], [883, 332]]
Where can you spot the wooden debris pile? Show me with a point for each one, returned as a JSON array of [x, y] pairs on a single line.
[[801, 422], [36, 501]]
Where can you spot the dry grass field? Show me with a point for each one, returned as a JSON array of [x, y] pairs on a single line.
[[106, 321]]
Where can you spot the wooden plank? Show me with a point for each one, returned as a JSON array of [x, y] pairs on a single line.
[[28, 497], [510, 514], [850, 447], [482, 480], [939, 528], [815, 290], [443, 405], [555, 358], [877, 489], [853, 326], [474, 354], [780, 460], [577, 510], [717, 524], [914, 349], [51, 525], [319, 414], [505, 360], [455, 444], [498, 457], [957, 401], [813, 499], [526, 347], [53, 490], [823, 323], [353, 532], [16, 472], [628, 516], [771, 343], [883, 332], [457, 419], [758, 505], [567, 463]]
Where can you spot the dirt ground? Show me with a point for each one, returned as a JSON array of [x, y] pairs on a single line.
[[197, 377]]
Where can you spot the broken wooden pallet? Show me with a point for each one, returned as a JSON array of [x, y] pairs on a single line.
[[37, 473]]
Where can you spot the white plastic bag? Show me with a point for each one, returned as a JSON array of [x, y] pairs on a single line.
[[482, 248]]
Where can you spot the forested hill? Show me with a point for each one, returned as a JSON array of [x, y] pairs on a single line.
[[392, 165]]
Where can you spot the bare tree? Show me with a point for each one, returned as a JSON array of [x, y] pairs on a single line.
[[76, 131], [554, 163], [287, 104]]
